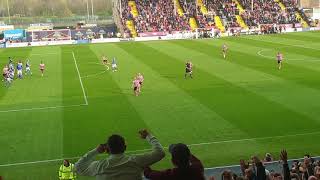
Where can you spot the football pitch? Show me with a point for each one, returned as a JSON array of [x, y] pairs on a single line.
[[231, 109]]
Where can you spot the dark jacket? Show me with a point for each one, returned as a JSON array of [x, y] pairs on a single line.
[[194, 172]]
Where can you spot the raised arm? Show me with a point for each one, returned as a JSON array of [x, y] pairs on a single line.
[[86, 165], [286, 170], [152, 157]]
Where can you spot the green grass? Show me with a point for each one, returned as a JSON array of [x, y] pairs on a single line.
[[243, 97]]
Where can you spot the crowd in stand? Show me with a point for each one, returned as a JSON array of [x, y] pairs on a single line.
[[193, 10], [226, 9], [186, 166], [125, 15], [268, 12], [308, 169], [159, 15]]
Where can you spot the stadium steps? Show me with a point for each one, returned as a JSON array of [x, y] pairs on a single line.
[[203, 8], [133, 7], [282, 6], [240, 20], [131, 27], [218, 22], [193, 23], [298, 15], [302, 21], [178, 7], [239, 6]]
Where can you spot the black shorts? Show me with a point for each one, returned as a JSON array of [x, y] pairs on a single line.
[[4, 75], [140, 82], [135, 88], [279, 61], [188, 70]]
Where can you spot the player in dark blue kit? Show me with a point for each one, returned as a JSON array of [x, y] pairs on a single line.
[[19, 70]]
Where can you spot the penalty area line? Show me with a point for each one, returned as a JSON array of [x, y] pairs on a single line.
[[83, 91], [41, 108], [190, 145]]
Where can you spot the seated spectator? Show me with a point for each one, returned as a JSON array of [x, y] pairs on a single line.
[[187, 166], [118, 165]]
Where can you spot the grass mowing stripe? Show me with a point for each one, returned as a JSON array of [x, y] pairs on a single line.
[[162, 102], [239, 55], [38, 132], [275, 45], [307, 37], [5, 53], [313, 47], [109, 111], [274, 90], [200, 86]]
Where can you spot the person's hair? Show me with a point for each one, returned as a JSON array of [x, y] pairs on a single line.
[[181, 156], [227, 175], [116, 144]]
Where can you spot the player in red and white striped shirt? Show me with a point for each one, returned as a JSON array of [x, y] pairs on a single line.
[[279, 59], [42, 68]]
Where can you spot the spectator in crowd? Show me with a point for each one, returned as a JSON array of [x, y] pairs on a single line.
[[268, 158], [256, 170], [227, 175], [187, 166], [119, 165]]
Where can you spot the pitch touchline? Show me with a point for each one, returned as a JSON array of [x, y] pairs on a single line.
[[190, 145], [83, 91]]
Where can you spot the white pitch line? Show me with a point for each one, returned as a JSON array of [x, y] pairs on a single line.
[[83, 91], [190, 145], [292, 45], [269, 57], [94, 75], [41, 108], [44, 54], [260, 54]]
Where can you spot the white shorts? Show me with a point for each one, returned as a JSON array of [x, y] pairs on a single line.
[[27, 68], [114, 66], [19, 73]]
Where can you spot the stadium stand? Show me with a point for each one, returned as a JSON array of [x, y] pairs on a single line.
[[145, 17], [159, 15], [268, 12]]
